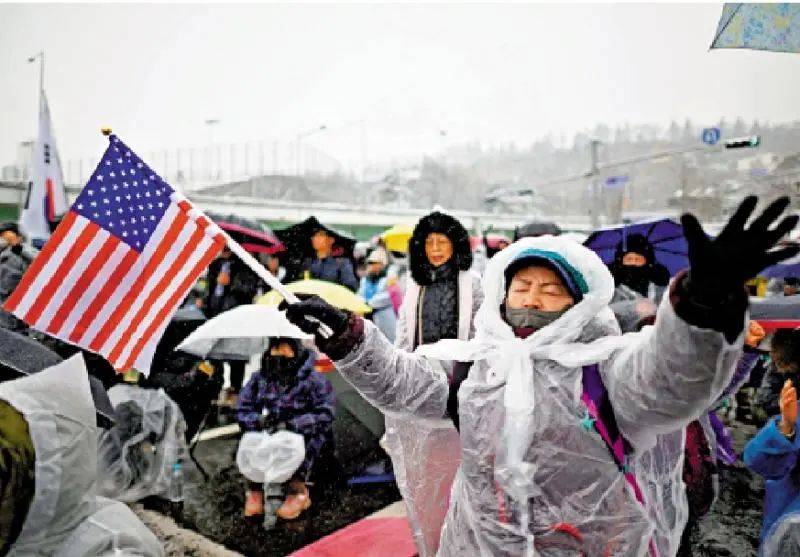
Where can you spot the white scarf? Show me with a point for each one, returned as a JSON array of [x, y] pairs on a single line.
[[510, 359]]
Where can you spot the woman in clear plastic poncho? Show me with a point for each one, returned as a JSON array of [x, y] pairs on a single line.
[[64, 517], [536, 476], [441, 299]]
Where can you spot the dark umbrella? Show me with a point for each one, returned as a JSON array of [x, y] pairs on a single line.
[[297, 239], [536, 228], [665, 235], [253, 236], [21, 356]]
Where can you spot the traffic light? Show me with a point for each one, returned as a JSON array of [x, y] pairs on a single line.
[[743, 142]]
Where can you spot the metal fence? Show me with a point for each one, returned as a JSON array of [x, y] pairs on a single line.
[[222, 163]]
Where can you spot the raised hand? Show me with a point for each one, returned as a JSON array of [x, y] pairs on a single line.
[[788, 404], [738, 253], [755, 334]]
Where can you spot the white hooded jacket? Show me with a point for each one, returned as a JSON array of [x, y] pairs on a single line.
[[66, 518], [533, 479]]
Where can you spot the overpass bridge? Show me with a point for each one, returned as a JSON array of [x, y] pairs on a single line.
[[363, 221]]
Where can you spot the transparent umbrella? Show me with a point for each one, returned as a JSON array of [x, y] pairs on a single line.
[[240, 333]]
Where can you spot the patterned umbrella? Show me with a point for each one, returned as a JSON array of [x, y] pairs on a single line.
[[773, 27]]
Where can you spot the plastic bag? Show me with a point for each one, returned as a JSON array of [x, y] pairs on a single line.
[[270, 458], [136, 456]]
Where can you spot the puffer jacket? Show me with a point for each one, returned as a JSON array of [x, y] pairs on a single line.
[[305, 404], [535, 478]]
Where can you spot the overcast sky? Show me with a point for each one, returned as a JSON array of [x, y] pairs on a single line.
[[491, 73]]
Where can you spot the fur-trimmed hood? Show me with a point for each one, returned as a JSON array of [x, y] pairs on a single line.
[[443, 224]]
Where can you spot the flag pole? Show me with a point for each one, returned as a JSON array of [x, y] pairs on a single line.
[[254, 265]]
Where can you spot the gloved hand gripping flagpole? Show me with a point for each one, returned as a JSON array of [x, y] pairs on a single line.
[[256, 267], [270, 279]]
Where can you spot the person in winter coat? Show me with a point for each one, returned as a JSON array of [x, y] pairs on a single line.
[[230, 283], [636, 267], [48, 468], [288, 394], [15, 258], [785, 356], [773, 453], [374, 289], [441, 293], [325, 266], [442, 296], [569, 431]]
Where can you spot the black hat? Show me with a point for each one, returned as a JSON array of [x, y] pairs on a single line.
[[9, 225], [635, 243]]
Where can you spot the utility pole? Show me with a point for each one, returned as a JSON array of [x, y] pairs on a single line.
[[593, 175], [748, 142]]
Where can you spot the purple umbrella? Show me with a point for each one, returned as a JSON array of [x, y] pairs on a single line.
[[666, 236], [784, 269]]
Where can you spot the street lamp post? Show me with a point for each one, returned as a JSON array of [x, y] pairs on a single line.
[[40, 56], [301, 136], [210, 123]]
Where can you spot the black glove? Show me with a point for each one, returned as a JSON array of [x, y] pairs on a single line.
[[270, 423], [312, 313], [721, 266]]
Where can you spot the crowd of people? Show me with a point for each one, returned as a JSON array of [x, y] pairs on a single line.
[[536, 400]]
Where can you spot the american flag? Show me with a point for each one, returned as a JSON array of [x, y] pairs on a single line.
[[120, 263]]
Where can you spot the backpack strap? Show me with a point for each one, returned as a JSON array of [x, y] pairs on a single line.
[[600, 417], [460, 372]]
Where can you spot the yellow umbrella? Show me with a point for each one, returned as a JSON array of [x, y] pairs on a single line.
[[333, 293], [397, 237]]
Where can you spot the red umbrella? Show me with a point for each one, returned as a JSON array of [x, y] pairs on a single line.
[[253, 236]]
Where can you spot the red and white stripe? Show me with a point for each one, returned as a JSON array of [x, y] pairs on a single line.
[[89, 288]]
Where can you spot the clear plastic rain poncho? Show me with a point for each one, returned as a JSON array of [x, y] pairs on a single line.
[[534, 479], [426, 454], [136, 456], [66, 517], [783, 539], [270, 458]]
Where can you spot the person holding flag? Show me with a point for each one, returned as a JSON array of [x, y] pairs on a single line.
[[570, 432]]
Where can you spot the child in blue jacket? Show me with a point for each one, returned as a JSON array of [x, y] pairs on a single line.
[[773, 453]]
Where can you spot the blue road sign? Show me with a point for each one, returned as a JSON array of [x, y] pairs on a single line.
[[711, 136], [613, 181]]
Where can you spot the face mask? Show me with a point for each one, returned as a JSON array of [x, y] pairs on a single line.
[[635, 277], [532, 318], [3, 244], [279, 365]]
